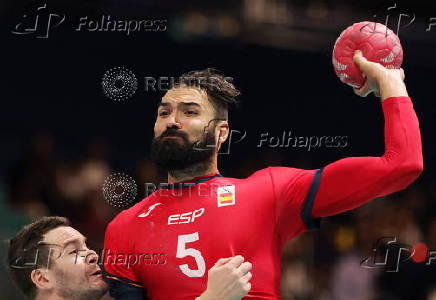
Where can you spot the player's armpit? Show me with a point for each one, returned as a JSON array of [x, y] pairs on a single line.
[[351, 182], [125, 289]]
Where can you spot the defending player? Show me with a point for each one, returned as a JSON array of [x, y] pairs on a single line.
[[255, 216], [49, 260]]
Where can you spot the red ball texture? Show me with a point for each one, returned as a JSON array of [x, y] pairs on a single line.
[[377, 43]]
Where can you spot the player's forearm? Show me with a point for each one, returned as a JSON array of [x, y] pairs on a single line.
[[390, 87], [403, 149], [351, 182]]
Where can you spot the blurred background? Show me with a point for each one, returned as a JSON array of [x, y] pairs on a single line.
[[61, 136]]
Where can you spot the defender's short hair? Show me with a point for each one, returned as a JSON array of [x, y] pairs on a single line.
[[25, 248]]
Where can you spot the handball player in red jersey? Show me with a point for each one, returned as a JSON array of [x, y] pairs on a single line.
[[201, 216]]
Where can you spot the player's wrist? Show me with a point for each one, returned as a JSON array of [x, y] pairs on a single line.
[[206, 296], [392, 88]]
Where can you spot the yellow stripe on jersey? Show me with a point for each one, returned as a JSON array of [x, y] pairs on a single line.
[[226, 199], [124, 281]]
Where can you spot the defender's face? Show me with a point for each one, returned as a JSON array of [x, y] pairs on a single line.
[[74, 267], [185, 109]]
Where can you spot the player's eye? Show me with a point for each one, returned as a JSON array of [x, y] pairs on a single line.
[[191, 112], [163, 113], [73, 251]]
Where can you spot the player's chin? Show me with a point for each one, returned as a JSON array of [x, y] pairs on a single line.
[[97, 281], [99, 285]]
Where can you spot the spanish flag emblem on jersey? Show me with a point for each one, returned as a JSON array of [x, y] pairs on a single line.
[[226, 195]]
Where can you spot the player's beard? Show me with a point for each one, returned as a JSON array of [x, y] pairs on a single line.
[[171, 155], [82, 292]]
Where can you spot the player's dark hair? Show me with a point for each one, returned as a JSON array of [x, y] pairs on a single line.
[[26, 252], [220, 91]]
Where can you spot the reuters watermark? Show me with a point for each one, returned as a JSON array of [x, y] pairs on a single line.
[[120, 83], [187, 189], [164, 83], [120, 190]]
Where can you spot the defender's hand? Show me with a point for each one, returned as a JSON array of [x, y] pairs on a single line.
[[382, 81], [228, 279]]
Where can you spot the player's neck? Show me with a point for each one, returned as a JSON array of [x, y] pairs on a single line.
[[53, 296], [196, 170]]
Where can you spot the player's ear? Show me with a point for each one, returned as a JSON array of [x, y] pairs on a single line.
[[42, 279], [222, 132]]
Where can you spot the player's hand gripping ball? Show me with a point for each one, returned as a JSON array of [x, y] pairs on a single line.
[[377, 43]]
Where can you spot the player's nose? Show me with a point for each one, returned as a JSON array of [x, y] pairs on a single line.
[[174, 124], [173, 121], [91, 257]]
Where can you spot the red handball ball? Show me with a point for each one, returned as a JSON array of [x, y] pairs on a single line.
[[377, 43]]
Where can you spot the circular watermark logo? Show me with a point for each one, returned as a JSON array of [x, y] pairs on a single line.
[[119, 190], [119, 83]]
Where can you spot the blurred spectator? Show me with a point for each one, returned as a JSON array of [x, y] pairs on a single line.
[[31, 179]]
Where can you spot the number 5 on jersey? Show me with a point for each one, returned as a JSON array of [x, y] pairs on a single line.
[[182, 252]]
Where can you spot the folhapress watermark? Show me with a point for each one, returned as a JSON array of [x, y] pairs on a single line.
[[287, 140], [400, 17], [108, 23], [38, 20], [44, 255], [389, 254]]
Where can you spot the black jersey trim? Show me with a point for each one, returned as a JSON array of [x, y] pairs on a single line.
[[124, 289], [172, 186], [306, 212]]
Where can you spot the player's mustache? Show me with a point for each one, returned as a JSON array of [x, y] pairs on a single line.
[[184, 136], [173, 132]]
